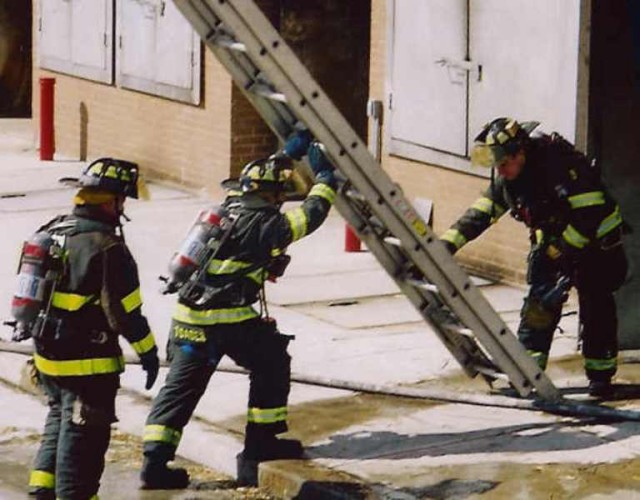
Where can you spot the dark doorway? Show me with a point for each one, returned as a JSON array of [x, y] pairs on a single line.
[[15, 58], [332, 38], [615, 132]]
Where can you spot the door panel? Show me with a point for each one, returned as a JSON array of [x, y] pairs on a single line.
[[529, 57], [429, 99]]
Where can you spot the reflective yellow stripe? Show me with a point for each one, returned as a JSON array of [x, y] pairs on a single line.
[[267, 415], [488, 207], [42, 479], [297, 220], [144, 345], [323, 191], [454, 236], [600, 364], [609, 223], [230, 266], [132, 301], [277, 251], [69, 301], [574, 237], [162, 434], [539, 233], [213, 316], [78, 367], [587, 199], [540, 358]]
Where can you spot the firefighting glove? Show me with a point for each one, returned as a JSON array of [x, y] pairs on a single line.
[[318, 160], [297, 145], [150, 364]]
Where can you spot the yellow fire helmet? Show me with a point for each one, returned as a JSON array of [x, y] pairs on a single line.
[[498, 139]]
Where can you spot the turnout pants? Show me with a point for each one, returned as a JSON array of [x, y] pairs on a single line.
[[597, 273], [196, 351], [76, 436]]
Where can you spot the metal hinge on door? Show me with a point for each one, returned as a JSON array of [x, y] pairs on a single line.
[[467, 66]]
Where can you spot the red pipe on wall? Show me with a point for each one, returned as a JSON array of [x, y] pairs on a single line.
[[47, 142]]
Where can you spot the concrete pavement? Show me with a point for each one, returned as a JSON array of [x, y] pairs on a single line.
[[351, 324]]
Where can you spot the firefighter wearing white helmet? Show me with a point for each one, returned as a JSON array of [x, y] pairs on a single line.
[[96, 299], [216, 314], [575, 232]]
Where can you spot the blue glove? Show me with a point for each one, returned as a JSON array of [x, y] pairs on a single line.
[[318, 160], [297, 145]]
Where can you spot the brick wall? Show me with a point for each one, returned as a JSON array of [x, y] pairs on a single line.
[[171, 140], [501, 252]]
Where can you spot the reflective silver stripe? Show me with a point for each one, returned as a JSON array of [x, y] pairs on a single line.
[[162, 434], [572, 236], [488, 207], [587, 199], [609, 223], [297, 220], [454, 236], [213, 316], [323, 191]]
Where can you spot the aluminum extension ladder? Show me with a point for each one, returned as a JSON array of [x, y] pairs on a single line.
[[288, 98]]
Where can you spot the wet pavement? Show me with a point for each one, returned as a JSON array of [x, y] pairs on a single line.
[[22, 417]]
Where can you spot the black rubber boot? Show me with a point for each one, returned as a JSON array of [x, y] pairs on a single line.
[[601, 389], [262, 446], [42, 493], [157, 476]]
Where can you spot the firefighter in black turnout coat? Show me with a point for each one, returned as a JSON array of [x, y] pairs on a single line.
[[576, 238], [217, 316], [96, 299]]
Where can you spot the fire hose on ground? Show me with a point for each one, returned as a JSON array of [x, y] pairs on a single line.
[[562, 407]]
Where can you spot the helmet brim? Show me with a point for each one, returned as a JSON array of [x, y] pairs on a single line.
[[485, 156]]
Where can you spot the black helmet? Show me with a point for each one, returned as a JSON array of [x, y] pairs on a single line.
[[498, 139], [119, 177], [273, 174]]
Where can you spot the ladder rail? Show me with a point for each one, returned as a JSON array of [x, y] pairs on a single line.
[[460, 347], [308, 103]]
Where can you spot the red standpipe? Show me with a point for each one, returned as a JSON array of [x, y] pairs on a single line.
[[47, 143], [351, 241]]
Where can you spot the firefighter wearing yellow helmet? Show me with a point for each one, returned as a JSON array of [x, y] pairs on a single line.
[[216, 314], [96, 298], [576, 238]]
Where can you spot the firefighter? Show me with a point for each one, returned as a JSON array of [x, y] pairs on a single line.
[[575, 232], [226, 323], [77, 353]]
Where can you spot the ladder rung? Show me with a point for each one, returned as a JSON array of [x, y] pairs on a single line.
[[459, 330], [219, 37], [266, 91], [425, 285], [355, 195], [230, 43], [392, 240], [491, 372]]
